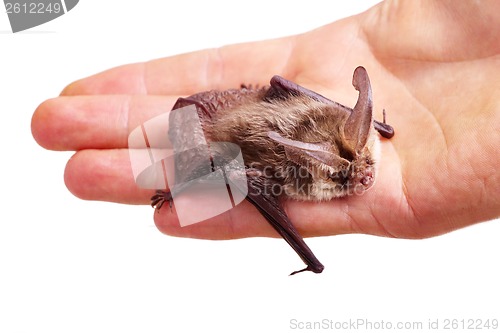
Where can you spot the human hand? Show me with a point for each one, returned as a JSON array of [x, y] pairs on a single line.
[[434, 67]]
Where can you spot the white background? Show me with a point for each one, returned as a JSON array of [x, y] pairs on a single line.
[[68, 265]]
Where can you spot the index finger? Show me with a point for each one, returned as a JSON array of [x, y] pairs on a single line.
[[186, 74]]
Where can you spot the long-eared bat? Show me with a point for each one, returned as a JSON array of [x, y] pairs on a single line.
[[295, 144]]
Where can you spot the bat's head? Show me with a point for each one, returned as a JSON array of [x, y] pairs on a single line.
[[340, 153], [353, 171], [332, 169]]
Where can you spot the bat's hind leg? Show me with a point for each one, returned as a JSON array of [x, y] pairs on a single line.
[[159, 199]]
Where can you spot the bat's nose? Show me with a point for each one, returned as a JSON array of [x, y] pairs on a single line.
[[367, 179]]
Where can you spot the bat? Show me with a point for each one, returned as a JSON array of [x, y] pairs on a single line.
[[296, 144]]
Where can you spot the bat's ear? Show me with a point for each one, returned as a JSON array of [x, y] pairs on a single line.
[[302, 153], [358, 125]]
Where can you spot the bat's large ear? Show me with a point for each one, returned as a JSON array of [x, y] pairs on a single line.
[[358, 125], [302, 153]]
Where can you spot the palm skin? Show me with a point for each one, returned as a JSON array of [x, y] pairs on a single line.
[[434, 67]]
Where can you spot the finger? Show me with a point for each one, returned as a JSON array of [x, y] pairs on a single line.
[[241, 221], [104, 175], [83, 122], [310, 219], [222, 68]]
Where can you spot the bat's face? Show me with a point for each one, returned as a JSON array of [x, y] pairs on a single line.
[[333, 170], [353, 177]]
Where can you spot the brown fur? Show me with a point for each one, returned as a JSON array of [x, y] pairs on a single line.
[[299, 118]]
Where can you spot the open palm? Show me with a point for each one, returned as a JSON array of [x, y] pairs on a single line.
[[434, 68]]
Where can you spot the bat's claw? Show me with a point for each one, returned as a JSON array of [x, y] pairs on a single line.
[[159, 199], [316, 270]]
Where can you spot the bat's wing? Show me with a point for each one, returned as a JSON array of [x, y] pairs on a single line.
[[191, 163], [192, 155], [260, 195], [209, 102], [281, 88]]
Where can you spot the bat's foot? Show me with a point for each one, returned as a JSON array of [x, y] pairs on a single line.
[[317, 269], [159, 199]]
